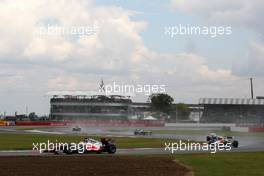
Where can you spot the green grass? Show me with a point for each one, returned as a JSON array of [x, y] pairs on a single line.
[[25, 141], [206, 164], [241, 164]]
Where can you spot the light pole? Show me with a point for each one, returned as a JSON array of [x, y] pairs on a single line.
[[251, 87]]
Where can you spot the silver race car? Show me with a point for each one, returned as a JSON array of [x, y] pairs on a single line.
[[142, 132], [88, 145], [213, 138]]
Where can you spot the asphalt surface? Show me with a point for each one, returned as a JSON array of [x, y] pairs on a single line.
[[139, 151], [246, 143]]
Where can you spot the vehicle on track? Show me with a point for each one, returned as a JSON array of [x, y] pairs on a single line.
[[142, 132], [88, 145], [77, 128], [213, 138]]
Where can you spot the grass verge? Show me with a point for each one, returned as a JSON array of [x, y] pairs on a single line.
[[242, 164], [10, 141]]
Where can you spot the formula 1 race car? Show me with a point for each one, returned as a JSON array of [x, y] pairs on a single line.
[[88, 145], [77, 128], [213, 138], [142, 132]]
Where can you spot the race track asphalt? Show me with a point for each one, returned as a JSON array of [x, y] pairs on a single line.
[[247, 143]]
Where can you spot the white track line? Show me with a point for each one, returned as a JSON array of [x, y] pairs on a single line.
[[44, 132]]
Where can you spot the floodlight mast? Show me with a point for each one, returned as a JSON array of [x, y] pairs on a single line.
[[251, 88]]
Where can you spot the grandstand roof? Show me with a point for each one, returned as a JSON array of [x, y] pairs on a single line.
[[81, 93], [231, 101]]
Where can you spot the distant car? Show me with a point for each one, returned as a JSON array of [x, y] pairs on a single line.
[[213, 138], [142, 132], [76, 128], [88, 145]]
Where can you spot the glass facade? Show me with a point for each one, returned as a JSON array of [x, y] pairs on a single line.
[[99, 107]]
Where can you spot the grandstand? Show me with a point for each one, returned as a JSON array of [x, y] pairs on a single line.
[[96, 107], [232, 110], [70, 107]]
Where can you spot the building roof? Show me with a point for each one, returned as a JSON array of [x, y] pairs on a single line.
[[231, 101], [85, 94]]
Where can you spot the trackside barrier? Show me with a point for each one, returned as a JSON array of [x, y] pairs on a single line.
[[119, 123], [48, 123], [256, 129], [3, 123], [240, 129], [98, 123]]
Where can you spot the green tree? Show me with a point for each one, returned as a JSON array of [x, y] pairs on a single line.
[[161, 102], [182, 111]]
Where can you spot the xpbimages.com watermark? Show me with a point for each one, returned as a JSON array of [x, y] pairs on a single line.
[[146, 89], [173, 147], [211, 31], [55, 146], [59, 30]]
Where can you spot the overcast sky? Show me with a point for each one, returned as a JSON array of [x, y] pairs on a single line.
[[129, 47]]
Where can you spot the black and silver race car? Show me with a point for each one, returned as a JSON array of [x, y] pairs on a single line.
[[77, 128], [213, 138], [142, 132], [88, 145]]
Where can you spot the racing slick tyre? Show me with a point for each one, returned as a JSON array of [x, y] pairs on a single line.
[[208, 138], [111, 149], [235, 144]]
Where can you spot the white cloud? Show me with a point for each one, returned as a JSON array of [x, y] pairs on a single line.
[[110, 51], [236, 13], [117, 52], [52, 48], [254, 63], [257, 53], [244, 13], [215, 74]]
